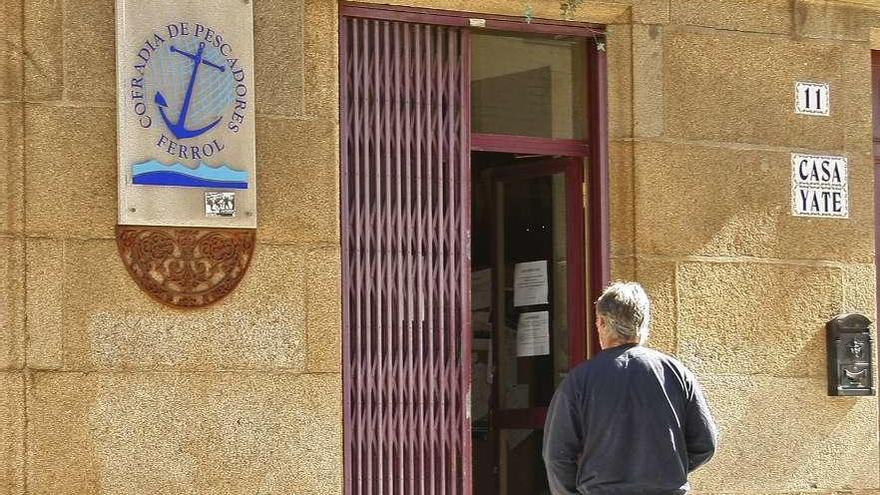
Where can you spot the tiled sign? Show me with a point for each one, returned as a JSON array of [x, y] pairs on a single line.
[[185, 94], [819, 186], [812, 98]]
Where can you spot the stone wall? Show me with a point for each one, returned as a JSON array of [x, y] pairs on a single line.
[[103, 391]]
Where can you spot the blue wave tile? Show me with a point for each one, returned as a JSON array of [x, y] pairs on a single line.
[[154, 173]]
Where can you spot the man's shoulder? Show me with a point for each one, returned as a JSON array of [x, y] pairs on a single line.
[[598, 364], [670, 365], [580, 374], [650, 359], [655, 355], [605, 360]]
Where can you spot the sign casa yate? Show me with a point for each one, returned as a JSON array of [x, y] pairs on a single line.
[[185, 113], [819, 186]]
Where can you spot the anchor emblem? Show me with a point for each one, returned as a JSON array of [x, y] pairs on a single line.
[[179, 128]]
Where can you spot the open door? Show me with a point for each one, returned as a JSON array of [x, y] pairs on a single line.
[[536, 319]]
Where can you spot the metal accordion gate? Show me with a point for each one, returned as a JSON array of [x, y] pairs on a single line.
[[405, 241]]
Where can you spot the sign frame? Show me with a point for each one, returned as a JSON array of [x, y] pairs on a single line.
[[185, 111], [812, 98]]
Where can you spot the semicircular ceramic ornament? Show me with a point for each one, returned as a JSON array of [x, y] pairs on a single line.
[[186, 156]]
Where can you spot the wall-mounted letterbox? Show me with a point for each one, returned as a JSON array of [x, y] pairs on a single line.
[[849, 346]]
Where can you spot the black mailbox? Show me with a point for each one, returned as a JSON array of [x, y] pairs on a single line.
[[849, 346]]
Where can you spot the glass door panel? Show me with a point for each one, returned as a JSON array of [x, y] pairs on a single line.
[[531, 261], [538, 217]]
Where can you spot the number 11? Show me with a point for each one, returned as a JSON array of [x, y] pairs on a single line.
[[818, 98]]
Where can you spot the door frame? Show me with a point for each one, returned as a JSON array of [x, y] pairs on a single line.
[[573, 169], [493, 22], [575, 211], [875, 97], [595, 194]]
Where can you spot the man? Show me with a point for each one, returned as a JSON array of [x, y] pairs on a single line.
[[631, 419]]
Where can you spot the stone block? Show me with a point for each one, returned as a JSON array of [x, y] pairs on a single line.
[[44, 45], [320, 43], [725, 201], [835, 20], [597, 12], [324, 310], [194, 433], [754, 16], [648, 81], [620, 81], [298, 179], [651, 11], [659, 280], [860, 290], [622, 268], [856, 71], [756, 318], [89, 51], [71, 170], [785, 435], [725, 86], [45, 303], [875, 38], [11, 71], [11, 433], [11, 169], [622, 198], [109, 323], [278, 56], [12, 335]]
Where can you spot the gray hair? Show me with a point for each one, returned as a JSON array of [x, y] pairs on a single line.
[[626, 310]]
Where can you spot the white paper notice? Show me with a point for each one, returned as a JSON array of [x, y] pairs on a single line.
[[533, 334], [481, 289], [530, 283]]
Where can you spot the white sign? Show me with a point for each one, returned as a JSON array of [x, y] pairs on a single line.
[[530, 283], [185, 108], [533, 334], [819, 186], [812, 98]]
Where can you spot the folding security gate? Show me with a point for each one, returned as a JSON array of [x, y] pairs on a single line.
[[405, 231]]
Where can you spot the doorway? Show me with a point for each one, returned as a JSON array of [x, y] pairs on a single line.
[[528, 310], [469, 160]]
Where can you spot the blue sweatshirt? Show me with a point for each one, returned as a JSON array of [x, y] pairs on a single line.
[[630, 420]]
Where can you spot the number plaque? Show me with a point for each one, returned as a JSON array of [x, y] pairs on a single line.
[[812, 98]]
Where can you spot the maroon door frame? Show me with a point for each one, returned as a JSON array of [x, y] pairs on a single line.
[[462, 19], [595, 150], [875, 80], [572, 167], [598, 182]]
